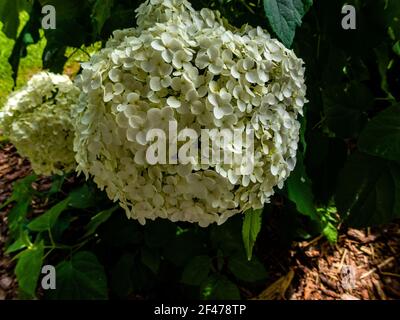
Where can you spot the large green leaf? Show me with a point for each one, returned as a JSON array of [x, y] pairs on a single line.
[[249, 271], [17, 214], [130, 275], [22, 242], [299, 190], [218, 287], [73, 22], [47, 220], [101, 11], [28, 35], [98, 220], [64, 9], [81, 278], [159, 233], [28, 268], [121, 275], [381, 136], [368, 191], [9, 10], [228, 236], [183, 248], [383, 63], [82, 197], [251, 228], [151, 258], [324, 159], [345, 108], [284, 16], [22, 189], [197, 270], [119, 232]]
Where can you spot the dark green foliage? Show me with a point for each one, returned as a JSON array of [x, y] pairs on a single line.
[[348, 158], [82, 277]]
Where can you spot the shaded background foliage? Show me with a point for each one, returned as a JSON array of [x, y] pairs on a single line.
[[348, 156]]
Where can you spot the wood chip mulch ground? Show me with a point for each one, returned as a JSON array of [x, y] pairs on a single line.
[[363, 264]]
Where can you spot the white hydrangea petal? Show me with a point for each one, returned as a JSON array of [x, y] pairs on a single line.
[[155, 84], [173, 102]]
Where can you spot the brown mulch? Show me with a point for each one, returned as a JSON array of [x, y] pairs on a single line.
[[364, 264]]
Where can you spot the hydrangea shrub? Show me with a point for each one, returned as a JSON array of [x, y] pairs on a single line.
[[194, 69], [37, 120]]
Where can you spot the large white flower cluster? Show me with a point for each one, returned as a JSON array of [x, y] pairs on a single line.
[[193, 68], [37, 120]]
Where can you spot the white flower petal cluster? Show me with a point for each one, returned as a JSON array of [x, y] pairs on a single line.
[[37, 120], [193, 68]]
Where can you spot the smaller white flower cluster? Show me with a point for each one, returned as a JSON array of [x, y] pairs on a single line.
[[37, 120]]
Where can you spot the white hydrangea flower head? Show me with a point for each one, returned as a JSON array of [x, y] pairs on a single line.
[[192, 68], [37, 120]]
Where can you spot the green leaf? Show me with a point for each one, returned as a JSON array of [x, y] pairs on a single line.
[[159, 233], [381, 136], [284, 16], [197, 270], [28, 268], [17, 214], [383, 62], [251, 228], [218, 287], [228, 236], [64, 8], [9, 15], [81, 278], [345, 108], [47, 220], [54, 57], [396, 48], [120, 18], [98, 220], [151, 258], [130, 275], [62, 224], [184, 247], [22, 189], [121, 276], [249, 271], [324, 159], [299, 190], [56, 184], [330, 232], [368, 191], [22, 242], [101, 11], [82, 197], [119, 232], [28, 35]]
